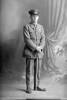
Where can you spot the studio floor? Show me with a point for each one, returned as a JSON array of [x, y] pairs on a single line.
[[15, 89]]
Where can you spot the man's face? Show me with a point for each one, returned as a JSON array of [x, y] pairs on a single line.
[[34, 18]]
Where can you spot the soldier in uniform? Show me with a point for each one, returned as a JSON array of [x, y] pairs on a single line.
[[34, 39]]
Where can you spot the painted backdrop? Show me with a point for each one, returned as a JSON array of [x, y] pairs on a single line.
[[53, 16]]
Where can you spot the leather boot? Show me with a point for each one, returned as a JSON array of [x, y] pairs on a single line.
[[28, 90]]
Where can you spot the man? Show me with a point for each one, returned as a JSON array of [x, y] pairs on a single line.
[[34, 39]]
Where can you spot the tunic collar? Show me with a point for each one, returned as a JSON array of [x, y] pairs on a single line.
[[33, 25]]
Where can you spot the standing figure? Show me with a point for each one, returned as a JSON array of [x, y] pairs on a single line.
[[34, 39]]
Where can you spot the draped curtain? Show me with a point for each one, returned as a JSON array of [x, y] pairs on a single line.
[[54, 21]]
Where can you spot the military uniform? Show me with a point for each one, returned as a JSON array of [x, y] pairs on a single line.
[[33, 36]]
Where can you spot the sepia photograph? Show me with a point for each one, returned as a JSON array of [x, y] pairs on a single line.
[[33, 49]]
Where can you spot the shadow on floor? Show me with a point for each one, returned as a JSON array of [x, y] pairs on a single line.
[[38, 99], [43, 99]]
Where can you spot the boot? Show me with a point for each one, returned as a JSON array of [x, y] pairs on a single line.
[[40, 89], [28, 90]]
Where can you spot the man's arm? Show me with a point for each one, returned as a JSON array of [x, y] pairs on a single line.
[[27, 39]]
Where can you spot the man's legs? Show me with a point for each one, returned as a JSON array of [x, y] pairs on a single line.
[[37, 69], [29, 65]]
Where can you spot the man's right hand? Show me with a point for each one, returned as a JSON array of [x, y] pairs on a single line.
[[39, 49]]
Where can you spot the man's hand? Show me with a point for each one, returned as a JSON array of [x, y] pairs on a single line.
[[39, 49]]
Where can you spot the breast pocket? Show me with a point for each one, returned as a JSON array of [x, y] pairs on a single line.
[[32, 35], [38, 36]]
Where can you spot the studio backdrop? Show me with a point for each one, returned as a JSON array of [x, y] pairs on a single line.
[[53, 16]]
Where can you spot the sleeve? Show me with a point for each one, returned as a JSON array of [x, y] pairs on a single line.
[[42, 41], [27, 39]]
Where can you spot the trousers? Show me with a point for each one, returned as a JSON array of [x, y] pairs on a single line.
[[36, 65]]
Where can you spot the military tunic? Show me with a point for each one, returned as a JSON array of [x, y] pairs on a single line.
[[33, 36]]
